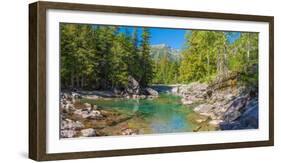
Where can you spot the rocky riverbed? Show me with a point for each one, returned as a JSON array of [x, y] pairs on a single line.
[[221, 105], [85, 120]]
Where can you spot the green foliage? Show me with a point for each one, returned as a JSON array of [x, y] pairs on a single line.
[[244, 58], [100, 57], [208, 53], [146, 74], [166, 71], [201, 54]]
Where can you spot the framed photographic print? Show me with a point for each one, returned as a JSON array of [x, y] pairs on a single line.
[[111, 81]]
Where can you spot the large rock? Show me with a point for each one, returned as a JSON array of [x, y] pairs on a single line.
[[222, 81], [192, 88], [235, 109], [248, 118], [191, 93], [151, 91], [133, 86]]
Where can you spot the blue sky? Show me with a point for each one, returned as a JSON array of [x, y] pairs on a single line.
[[174, 38]]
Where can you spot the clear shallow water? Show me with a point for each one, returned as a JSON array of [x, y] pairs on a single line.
[[164, 114]]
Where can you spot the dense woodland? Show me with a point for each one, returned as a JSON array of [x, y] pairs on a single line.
[[102, 57]]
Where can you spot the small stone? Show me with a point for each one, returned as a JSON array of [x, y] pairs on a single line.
[[186, 102], [95, 107], [88, 132], [95, 114], [68, 133], [203, 108], [69, 124], [128, 131], [88, 106], [215, 122]]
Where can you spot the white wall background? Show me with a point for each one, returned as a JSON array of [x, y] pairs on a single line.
[[14, 80]]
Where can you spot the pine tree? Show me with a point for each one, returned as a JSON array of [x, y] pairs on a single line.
[[145, 59]]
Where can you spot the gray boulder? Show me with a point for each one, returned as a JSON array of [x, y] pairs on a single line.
[[151, 91], [133, 86], [235, 109], [250, 117]]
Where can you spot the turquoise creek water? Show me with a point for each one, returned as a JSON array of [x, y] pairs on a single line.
[[164, 114]]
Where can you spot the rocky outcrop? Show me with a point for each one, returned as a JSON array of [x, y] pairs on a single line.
[[133, 87], [224, 102], [235, 109], [247, 119], [134, 90], [191, 93]]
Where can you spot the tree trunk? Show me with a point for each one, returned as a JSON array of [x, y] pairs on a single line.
[[72, 79], [82, 81], [77, 81]]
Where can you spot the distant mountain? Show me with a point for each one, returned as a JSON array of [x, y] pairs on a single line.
[[159, 50]]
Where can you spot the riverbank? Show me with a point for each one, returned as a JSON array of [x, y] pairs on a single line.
[[224, 102]]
